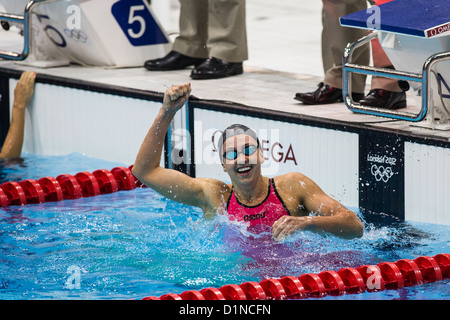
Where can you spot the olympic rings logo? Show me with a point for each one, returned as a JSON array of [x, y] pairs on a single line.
[[76, 35], [381, 173]]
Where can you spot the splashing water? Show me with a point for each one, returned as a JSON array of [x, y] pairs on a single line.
[[136, 243]]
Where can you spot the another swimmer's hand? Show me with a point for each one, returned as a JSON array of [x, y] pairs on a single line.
[[175, 97], [287, 225], [24, 90]]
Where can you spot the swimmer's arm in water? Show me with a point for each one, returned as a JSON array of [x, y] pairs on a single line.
[[12, 146], [329, 215], [171, 183]]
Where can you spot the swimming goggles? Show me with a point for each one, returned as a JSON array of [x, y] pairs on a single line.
[[233, 153]]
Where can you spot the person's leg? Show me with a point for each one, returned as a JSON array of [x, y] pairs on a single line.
[[189, 48], [385, 92], [193, 23], [381, 60], [337, 39], [334, 41], [227, 40]]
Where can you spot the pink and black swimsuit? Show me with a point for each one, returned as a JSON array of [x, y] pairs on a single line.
[[267, 212]]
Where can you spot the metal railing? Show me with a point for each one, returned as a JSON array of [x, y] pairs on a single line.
[[423, 78], [26, 21]]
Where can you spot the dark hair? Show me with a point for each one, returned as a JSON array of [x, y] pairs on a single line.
[[235, 130]]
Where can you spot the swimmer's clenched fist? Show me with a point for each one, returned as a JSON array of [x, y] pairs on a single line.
[[176, 96]]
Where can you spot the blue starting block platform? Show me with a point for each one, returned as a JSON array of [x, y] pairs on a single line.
[[421, 18], [415, 35]]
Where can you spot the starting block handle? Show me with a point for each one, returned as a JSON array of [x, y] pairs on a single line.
[[423, 78], [26, 21]]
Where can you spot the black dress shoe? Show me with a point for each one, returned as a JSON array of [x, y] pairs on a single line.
[[325, 94], [384, 99], [172, 61], [213, 68]]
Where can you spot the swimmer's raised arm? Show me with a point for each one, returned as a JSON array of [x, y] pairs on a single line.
[[12, 146], [170, 183]]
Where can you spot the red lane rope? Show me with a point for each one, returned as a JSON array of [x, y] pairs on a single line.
[[66, 186], [370, 278], [385, 275]]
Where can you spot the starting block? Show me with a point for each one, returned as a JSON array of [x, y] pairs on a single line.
[[107, 33], [415, 35]]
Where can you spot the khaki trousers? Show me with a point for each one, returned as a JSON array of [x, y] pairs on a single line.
[[213, 28], [334, 40]]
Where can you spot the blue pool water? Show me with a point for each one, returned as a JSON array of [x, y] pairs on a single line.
[[132, 244]]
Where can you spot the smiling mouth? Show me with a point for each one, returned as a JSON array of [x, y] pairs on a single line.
[[243, 170]]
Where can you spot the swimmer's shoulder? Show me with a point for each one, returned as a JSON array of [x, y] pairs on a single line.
[[291, 180], [214, 183], [215, 195], [293, 187], [215, 190], [294, 184]]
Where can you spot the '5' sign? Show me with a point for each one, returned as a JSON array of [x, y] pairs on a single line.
[[138, 23]]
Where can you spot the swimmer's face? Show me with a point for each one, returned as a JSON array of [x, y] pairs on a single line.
[[241, 156]]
